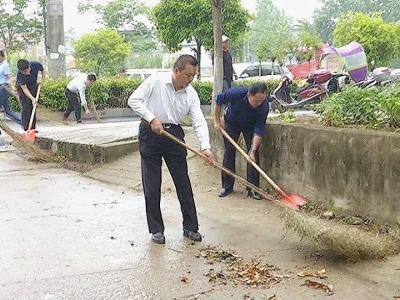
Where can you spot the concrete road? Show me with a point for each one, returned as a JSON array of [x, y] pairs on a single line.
[[65, 236]]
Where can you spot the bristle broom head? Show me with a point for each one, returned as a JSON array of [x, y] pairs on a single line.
[[27, 147], [339, 239]]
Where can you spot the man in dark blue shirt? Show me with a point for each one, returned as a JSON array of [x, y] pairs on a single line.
[[27, 88], [246, 113]]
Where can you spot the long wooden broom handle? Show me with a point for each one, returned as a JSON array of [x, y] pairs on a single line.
[[216, 164], [253, 163], [34, 108]]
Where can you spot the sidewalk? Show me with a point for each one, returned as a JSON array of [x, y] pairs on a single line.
[[67, 235]]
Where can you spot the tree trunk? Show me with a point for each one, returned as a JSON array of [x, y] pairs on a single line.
[[218, 79], [198, 52]]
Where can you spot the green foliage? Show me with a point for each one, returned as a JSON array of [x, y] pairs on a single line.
[[121, 15], [105, 92], [378, 38], [103, 52], [178, 21], [270, 32], [204, 90], [145, 60], [375, 108], [17, 30], [330, 11], [110, 92]]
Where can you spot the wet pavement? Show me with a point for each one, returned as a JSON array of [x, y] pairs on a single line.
[[66, 235]]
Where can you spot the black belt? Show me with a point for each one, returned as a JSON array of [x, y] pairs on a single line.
[[169, 125]]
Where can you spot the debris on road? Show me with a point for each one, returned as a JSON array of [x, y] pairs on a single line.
[[319, 285], [253, 274]]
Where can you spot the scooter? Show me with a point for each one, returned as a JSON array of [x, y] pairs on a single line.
[[319, 85]]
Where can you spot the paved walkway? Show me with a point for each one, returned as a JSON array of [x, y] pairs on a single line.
[[67, 235]]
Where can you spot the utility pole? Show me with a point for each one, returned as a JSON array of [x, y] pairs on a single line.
[[55, 40]]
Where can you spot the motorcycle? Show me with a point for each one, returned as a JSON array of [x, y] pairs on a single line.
[[339, 66], [319, 85]]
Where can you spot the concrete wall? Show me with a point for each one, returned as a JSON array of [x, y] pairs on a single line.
[[353, 169]]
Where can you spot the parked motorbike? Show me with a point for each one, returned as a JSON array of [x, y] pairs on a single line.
[[378, 77], [319, 85]]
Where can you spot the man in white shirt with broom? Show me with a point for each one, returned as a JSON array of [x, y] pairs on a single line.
[[77, 87]]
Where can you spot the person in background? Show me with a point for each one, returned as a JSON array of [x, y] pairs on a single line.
[[228, 71], [75, 87], [163, 101], [6, 80], [27, 86], [246, 113]]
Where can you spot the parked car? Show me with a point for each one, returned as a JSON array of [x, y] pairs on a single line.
[[143, 73], [261, 71]]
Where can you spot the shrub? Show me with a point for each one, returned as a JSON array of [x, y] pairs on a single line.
[[374, 108], [204, 89]]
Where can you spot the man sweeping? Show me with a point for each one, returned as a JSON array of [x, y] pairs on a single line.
[[246, 113], [75, 87], [6, 79], [27, 86]]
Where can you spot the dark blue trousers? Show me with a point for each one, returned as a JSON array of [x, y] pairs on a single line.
[[152, 149], [230, 156]]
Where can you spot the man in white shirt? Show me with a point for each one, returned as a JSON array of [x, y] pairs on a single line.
[[164, 100], [75, 87]]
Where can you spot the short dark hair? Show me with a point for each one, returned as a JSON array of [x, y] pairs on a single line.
[[22, 64], [185, 59], [2, 53], [259, 87], [91, 77]]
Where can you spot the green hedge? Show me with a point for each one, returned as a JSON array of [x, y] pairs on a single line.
[[114, 92], [374, 108]]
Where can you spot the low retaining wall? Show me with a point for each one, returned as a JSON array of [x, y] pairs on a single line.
[[89, 154], [357, 170]]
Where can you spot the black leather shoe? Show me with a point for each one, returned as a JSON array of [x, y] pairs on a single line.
[[255, 195], [158, 238], [224, 192], [192, 235]]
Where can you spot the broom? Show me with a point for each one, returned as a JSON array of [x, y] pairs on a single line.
[[28, 148]]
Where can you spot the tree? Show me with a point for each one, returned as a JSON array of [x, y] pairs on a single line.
[[216, 6], [103, 52], [122, 15], [326, 17], [378, 38], [269, 32], [309, 41], [178, 21], [17, 29]]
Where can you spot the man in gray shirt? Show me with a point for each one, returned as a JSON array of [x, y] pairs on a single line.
[[75, 87]]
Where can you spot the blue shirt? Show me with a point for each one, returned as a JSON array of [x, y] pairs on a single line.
[[4, 72], [29, 80], [239, 111]]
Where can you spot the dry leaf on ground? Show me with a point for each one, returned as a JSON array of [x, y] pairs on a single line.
[[319, 285]]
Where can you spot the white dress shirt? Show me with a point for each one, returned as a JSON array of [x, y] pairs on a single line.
[[156, 98], [78, 86]]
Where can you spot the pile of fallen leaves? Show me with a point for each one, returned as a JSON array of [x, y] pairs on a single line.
[[253, 274]]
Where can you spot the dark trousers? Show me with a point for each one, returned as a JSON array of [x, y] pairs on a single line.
[[73, 105], [5, 102], [26, 112], [230, 155], [226, 85], [152, 149]]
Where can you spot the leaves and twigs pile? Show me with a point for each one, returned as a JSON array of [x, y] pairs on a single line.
[[253, 273]]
